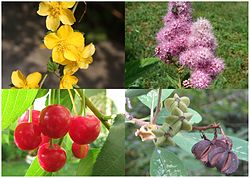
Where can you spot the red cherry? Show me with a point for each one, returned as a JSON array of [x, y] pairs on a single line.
[[84, 130], [25, 117], [27, 136], [45, 139], [80, 151], [52, 158], [55, 121]]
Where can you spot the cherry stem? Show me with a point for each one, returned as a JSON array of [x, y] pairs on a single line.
[[97, 113], [43, 80], [83, 103], [60, 141], [158, 108], [30, 113], [72, 101]]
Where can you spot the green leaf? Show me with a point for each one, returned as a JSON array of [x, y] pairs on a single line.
[[136, 92], [5, 136], [52, 66], [36, 170], [86, 165], [41, 93], [162, 116], [137, 68], [166, 163], [187, 140], [153, 94], [14, 103], [110, 161], [196, 117]]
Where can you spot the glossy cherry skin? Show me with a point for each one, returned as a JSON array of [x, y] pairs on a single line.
[[84, 130], [45, 139], [25, 117], [80, 151], [55, 121], [27, 136], [51, 159]]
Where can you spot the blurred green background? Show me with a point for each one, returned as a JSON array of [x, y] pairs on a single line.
[[228, 107], [229, 20]]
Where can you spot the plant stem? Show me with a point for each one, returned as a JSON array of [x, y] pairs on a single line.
[[75, 6], [203, 128], [97, 113], [30, 112], [83, 103], [72, 101], [43, 80], [152, 109], [158, 108]]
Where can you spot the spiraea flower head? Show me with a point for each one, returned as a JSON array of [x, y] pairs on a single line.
[[56, 12], [215, 66], [64, 44], [200, 79], [20, 81]]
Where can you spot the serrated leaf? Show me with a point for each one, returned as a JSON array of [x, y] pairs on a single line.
[[14, 103], [166, 163], [187, 140], [153, 94], [137, 68], [36, 170], [86, 165], [196, 117], [111, 159], [52, 66]]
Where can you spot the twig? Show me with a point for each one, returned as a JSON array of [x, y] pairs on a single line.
[[203, 128], [158, 108]]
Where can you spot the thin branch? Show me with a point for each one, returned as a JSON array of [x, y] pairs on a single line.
[[203, 128], [158, 108]]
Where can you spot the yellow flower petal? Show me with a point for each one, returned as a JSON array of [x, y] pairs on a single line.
[[88, 51], [66, 5], [84, 62], [68, 81], [52, 23], [18, 79], [33, 80], [57, 55], [71, 53], [64, 31], [43, 9], [51, 40], [67, 17], [70, 69], [76, 39]]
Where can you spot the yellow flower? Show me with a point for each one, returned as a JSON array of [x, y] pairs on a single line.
[[68, 81], [83, 60], [56, 12], [20, 81], [64, 44]]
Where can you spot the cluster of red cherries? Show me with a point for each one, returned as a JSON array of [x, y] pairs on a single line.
[[54, 122]]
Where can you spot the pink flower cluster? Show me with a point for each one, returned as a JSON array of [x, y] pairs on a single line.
[[172, 39], [194, 44]]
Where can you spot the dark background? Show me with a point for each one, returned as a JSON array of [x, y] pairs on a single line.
[[23, 31]]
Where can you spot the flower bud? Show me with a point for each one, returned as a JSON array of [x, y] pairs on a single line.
[[185, 100], [177, 112], [186, 125], [227, 163]]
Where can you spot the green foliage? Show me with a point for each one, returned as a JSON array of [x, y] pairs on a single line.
[[138, 68], [196, 117], [52, 66], [166, 163], [86, 165], [36, 170], [187, 140], [230, 25], [14, 104], [152, 96], [110, 160]]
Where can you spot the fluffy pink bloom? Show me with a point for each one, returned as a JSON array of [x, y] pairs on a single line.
[[196, 58], [178, 10], [200, 80], [215, 66]]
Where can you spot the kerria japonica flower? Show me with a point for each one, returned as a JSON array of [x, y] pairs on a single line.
[[172, 38], [200, 56]]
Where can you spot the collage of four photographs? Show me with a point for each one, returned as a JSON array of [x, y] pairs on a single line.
[[124, 88]]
